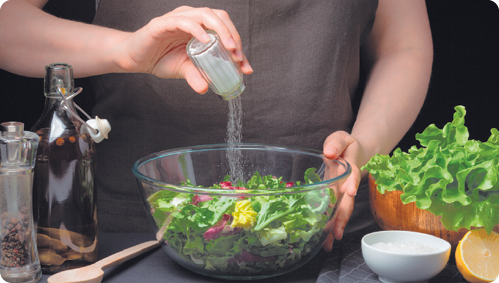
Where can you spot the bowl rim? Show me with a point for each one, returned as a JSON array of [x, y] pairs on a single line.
[[244, 146], [442, 251]]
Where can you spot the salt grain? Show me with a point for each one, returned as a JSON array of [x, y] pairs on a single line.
[[405, 248]]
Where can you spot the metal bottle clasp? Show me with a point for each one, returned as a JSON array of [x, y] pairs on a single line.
[[65, 104]]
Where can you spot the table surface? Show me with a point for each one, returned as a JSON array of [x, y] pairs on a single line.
[[344, 264]]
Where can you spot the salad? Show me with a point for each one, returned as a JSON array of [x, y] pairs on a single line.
[[244, 234]]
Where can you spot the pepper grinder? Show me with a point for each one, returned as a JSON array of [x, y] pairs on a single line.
[[19, 257]]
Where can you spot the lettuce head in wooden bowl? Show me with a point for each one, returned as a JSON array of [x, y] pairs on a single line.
[[445, 187]]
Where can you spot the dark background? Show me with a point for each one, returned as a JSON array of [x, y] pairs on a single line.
[[465, 69]]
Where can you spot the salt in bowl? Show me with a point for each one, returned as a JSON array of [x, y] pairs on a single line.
[[412, 257]]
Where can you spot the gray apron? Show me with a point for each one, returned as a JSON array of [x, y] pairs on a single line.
[[305, 56]]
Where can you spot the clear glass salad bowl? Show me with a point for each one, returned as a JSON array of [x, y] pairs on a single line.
[[241, 211]]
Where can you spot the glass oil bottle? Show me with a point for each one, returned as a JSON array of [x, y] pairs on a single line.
[[64, 196]]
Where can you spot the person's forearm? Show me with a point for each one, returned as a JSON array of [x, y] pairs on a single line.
[[393, 97], [400, 52], [30, 39]]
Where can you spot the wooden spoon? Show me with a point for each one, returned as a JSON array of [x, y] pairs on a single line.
[[94, 273]]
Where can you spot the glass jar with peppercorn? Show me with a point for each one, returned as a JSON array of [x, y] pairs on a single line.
[[19, 258]]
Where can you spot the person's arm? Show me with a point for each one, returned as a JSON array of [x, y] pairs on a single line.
[[30, 39], [400, 51]]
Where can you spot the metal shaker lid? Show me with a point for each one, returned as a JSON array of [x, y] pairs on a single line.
[[11, 128]]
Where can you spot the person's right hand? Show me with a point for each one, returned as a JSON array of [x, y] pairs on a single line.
[[159, 47]]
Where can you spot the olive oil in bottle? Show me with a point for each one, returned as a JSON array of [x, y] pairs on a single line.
[[64, 197]]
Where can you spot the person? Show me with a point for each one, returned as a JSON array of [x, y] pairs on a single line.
[[305, 68]]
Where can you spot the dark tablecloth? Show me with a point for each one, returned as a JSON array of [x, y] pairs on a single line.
[[344, 264]]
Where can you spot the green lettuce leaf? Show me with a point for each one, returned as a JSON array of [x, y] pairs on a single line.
[[271, 235], [311, 177], [276, 208]]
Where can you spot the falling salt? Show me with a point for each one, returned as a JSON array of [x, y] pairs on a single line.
[[405, 248], [234, 138]]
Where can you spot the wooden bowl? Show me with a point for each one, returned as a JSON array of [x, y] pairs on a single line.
[[391, 214]]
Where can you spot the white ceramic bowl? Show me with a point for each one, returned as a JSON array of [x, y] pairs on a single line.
[[398, 266]]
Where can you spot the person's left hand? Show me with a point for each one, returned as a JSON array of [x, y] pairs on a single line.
[[342, 144]]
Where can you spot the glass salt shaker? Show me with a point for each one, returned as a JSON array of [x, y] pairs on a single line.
[[19, 260], [215, 64]]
